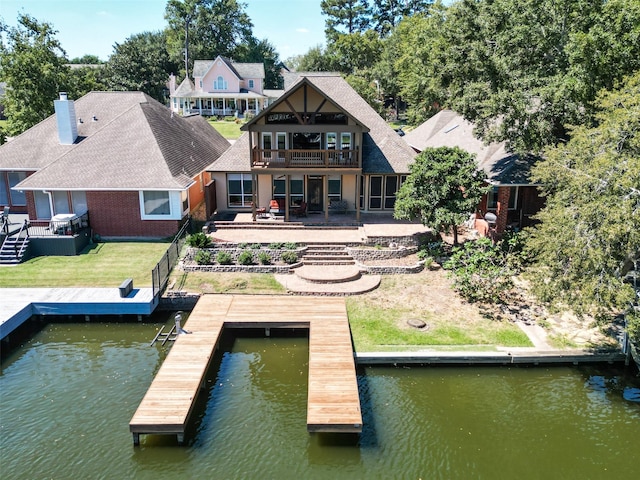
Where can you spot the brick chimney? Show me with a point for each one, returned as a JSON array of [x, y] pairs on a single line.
[[66, 119]]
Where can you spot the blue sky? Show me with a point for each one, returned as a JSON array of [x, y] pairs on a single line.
[[93, 26]]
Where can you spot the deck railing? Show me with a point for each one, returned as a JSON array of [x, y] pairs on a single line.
[[48, 228], [294, 158]]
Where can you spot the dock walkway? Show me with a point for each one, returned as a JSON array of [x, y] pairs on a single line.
[[20, 304], [333, 400]]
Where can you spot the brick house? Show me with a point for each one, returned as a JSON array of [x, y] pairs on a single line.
[[513, 198], [320, 144], [126, 160]]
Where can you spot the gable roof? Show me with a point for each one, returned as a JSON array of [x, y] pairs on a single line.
[[240, 70], [449, 129], [383, 150], [136, 143]]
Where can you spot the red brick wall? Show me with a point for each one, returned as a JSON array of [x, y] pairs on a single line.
[[117, 214]]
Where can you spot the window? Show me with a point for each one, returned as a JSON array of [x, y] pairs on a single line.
[[279, 188], [296, 190], [43, 207], [79, 202], [281, 139], [17, 197], [331, 140], [239, 190], [375, 192], [156, 203], [4, 191], [200, 84], [250, 83], [345, 140], [390, 189], [61, 202], [335, 188], [267, 144], [492, 198], [220, 83], [306, 141], [184, 197]]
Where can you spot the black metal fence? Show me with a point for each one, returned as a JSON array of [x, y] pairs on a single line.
[[160, 273]]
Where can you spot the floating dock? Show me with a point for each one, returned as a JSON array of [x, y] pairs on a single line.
[[333, 400]]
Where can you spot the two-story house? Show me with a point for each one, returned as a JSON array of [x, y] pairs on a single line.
[[319, 143], [221, 87]]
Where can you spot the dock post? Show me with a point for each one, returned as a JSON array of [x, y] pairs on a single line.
[[87, 318], [136, 439], [267, 332], [180, 438]]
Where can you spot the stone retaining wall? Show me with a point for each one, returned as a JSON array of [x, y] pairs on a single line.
[[234, 251], [362, 254], [404, 240], [391, 269], [178, 301], [239, 268]]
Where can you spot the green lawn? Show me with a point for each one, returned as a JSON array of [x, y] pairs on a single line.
[[229, 130], [100, 265]]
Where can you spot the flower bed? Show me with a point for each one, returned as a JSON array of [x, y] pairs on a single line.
[[234, 258]]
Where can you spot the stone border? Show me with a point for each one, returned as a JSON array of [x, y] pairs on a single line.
[[369, 253], [391, 269]]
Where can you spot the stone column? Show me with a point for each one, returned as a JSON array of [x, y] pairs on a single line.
[[502, 210]]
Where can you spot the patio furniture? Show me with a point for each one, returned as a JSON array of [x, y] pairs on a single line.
[[301, 211]]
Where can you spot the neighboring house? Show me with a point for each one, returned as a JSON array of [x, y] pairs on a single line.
[[221, 87], [320, 143], [127, 160], [514, 198]]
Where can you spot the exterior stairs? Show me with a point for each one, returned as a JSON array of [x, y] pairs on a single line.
[[328, 270], [13, 250], [327, 255]]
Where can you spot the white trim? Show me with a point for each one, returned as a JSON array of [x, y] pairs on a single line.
[[175, 205]]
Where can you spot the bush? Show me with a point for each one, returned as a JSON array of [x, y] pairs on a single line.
[[203, 257], [264, 258], [276, 245], [224, 258], [431, 249], [243, 245], [290, 257], [481, 271], [256, 246], [245, 258], [198, 240], [290, 246]]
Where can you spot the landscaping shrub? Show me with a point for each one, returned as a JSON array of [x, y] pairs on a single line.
[[276, 245], [290, 257], [224, 258], [245, 258], [256, 246], [203, 257], [243, 245], [198, 240], [290, 246], [264, 258]]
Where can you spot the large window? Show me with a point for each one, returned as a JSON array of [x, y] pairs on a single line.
[[220, 83], [335, 188], [43, 205], [17, 197], [296, 190], [345, 140], [306, 141], [156, 203], [392, 184], [4, 191], [79, 202], [375, 192], [239, 190]]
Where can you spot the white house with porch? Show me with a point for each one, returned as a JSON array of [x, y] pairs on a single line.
[[221, 87]]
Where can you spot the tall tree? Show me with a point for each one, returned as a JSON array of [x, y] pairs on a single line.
[[590, 227], [442, 190], [214, 27], [32, 65], [141, 63], [262, 51], [522, 70], [387, 14], [345, 16]]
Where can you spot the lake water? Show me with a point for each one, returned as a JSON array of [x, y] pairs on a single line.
[[67, 395]]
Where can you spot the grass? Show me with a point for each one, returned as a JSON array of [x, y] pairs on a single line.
[[229, 130], [99, 265], [247, 283]]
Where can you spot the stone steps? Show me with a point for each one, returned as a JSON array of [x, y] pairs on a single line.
[[328, 254]]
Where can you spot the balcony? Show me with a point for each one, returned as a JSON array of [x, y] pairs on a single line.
[[304, 158]]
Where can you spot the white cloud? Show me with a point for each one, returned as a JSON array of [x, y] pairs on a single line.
[[302, 30]]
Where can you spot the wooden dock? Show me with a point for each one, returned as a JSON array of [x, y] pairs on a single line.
[[333, 400]]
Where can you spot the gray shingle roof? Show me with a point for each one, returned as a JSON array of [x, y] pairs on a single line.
[[449, 129], [136, 143], [383, 150], [235, 159], [241, 70]]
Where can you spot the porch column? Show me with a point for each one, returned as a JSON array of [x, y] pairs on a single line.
[[200, 105], [254, 196], [286, 198], [503, 209], [357, 200], [325, 189], [224, 107]]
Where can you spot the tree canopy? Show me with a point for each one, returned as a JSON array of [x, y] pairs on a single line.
[[590, 228], [442, 190], [32, 64]]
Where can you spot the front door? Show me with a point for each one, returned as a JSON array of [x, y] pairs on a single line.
[[315, 197]]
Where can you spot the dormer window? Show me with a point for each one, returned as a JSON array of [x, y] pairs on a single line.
[[220, 83]]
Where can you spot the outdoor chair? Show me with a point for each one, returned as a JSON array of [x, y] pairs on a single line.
[[301, 211]]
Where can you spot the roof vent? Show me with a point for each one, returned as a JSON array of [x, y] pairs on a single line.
[[94, 119], [451, 128], [66, 119]]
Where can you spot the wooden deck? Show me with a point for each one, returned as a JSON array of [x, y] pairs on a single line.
[[333, 401]]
